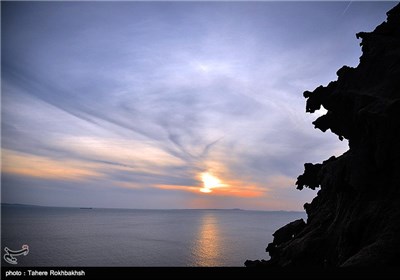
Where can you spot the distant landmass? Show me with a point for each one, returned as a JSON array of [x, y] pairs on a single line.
[[20, 205], [354, 221], [33, 205]]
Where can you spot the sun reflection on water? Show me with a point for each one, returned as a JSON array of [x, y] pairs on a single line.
[[207, 247]]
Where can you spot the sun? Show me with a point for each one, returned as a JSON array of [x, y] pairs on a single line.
[[204, 190], [209, 182]]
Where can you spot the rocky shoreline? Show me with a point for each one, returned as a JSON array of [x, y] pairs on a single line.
[[354, 221]]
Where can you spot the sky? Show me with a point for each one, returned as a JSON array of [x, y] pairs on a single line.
[[169, 105]]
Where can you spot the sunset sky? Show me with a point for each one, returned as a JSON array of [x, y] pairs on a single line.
[[169, 104]]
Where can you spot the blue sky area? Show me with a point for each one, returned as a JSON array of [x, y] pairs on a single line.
[[169, 104]]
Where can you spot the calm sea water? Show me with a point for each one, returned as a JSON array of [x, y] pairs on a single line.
[[125, 237]]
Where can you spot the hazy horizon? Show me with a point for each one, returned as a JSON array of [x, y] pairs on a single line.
[[156, 209], [169, 105]]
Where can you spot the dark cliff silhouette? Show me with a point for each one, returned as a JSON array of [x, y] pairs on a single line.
[[355, 218]]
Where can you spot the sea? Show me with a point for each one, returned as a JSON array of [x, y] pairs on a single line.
[[91, 237]]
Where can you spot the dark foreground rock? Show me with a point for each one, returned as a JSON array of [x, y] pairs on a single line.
[[355, 218]]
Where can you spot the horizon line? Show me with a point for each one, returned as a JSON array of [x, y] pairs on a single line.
[[159, 209]]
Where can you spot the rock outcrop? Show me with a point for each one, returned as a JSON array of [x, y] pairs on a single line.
[[355, 218]]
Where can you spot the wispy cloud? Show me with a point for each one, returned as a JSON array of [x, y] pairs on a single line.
[[34, 166], [139, 98]]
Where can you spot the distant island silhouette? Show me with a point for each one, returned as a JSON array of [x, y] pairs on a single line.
[[20, 205], [354, 221]]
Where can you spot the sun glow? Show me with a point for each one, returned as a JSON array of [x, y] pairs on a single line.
[[209, 182], [214, 67]]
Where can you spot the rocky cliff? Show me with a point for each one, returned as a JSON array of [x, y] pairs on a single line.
[[355, 218]]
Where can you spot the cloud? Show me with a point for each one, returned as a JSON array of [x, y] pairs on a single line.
[[140, 98], [34, 166]]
